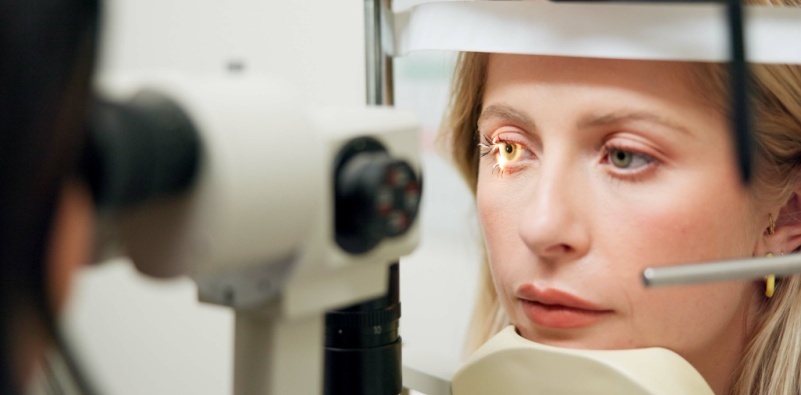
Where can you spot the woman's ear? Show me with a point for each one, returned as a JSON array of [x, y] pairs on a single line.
[[787, 232]]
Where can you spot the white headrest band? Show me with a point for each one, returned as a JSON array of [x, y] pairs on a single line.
[[674, 31]]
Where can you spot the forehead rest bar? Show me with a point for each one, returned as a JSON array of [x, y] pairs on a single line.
[[693, 31]]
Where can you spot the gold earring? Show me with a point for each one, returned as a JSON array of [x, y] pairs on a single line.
[[772, 225], [770, 282]]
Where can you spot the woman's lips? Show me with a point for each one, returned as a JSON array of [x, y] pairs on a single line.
[[549, 307]]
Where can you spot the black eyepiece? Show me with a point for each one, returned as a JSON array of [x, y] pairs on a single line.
[[139, 150]]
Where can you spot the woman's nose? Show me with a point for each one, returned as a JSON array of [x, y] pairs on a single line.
[[553, 223]]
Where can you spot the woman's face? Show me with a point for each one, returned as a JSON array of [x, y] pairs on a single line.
[[594, 170]]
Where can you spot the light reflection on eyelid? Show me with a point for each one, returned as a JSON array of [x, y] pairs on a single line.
[[512, 137]]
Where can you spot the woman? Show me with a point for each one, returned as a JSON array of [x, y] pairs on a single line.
[[587, 171], [47, 52]]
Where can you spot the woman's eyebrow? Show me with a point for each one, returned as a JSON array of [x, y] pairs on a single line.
[[508, 113], [614, 118]]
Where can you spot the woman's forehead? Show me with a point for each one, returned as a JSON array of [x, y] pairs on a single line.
[[525, 75], [585, 91], [556, 68]]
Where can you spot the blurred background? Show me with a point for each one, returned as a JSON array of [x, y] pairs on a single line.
[[137, 335]]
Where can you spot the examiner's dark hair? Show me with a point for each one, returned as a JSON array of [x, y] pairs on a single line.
[[46, 58]]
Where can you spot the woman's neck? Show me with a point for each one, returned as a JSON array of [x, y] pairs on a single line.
[[720, 364]]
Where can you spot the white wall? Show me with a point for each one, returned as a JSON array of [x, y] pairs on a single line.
[[317, 45]]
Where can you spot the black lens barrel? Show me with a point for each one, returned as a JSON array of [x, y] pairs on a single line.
[[363, 347]]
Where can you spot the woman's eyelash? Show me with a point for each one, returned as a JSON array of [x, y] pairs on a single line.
[[486, 145]]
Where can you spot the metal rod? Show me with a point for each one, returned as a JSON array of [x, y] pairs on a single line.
[[378, 71], [739, 76], [751, 268]]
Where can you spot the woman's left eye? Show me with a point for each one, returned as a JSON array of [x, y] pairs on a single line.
[[627, 160]]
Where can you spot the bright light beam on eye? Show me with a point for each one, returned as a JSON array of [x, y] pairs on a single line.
[[502, 161], [503, 152], [508, 152]]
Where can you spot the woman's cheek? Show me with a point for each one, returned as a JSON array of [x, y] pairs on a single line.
[[680, 220], [495, 209]]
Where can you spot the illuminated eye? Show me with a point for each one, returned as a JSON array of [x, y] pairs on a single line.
[[510, 152]]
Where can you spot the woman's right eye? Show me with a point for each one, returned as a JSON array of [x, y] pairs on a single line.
[[507, 153], [510, 152]]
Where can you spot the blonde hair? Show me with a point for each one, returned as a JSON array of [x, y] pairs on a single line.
[[771, 363]]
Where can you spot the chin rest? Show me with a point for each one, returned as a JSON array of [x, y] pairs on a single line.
[[511, 365]]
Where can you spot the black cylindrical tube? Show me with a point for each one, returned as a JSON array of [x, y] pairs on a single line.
[[740, 80], [363, 346], [139, 150]]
